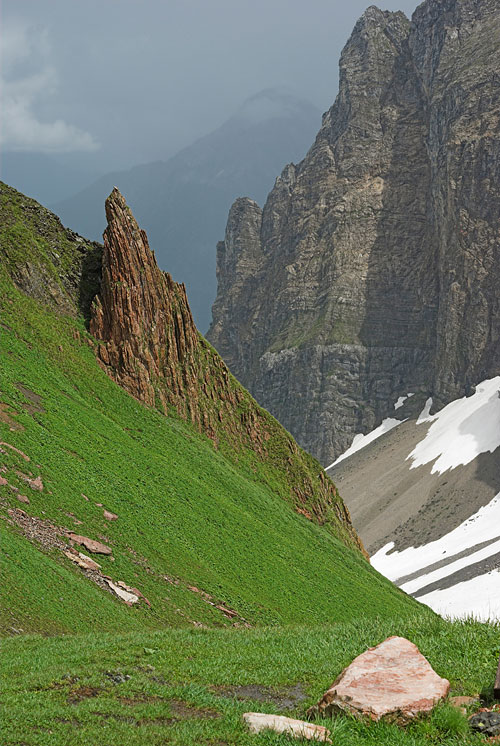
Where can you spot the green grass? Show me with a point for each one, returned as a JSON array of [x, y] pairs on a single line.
[[45, 678], [185, 511], [192, 520]]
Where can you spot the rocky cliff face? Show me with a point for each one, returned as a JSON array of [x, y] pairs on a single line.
[[373, 269], [150, 346]]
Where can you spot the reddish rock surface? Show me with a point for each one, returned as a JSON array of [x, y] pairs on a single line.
[[23, 499], [392, 679], [36, 484], [109, 516], [91, 544], [143, 316], [13, 448]]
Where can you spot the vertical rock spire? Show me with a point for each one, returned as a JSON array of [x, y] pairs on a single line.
[[150, 346]]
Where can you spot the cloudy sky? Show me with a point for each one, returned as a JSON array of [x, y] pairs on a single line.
[[120, 82]]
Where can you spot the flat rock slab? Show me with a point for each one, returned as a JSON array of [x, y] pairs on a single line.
[[93, 546], [392, 679], [82, 560], [259, 721], [127, 596]]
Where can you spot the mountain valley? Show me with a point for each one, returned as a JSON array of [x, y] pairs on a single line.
[[177, 568]]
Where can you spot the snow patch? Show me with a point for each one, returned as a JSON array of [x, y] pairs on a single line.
[[425, 414], [360, 440], [443, 572], [402, 400], [482, 526], [484, 596], [478, 597], [462, 430]]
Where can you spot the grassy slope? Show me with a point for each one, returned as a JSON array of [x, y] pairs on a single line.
[[59, 268], [191, 513], [184, 510], [46, 700]]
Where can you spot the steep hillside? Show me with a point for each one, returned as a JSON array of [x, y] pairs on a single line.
[[373, 268], [234, 529], [183, 202], [425, 497]]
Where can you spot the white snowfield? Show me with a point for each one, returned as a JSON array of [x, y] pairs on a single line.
[[461, 430], [479, 596], [457, 435]]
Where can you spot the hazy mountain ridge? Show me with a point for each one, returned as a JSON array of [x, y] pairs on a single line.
[[182, 203], [373, 268]]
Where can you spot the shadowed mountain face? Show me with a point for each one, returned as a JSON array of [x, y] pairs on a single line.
[[183, 202], [372, 270]]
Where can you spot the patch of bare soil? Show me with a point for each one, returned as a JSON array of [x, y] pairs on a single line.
[[7, 414], [35, 399], [284, 699], [182, 710], [69, 721], [82, 692], [139, 699], [138, 722]]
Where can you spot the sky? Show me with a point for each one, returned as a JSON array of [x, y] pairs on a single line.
[[114, 83]]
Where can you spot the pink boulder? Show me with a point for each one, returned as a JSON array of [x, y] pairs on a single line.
[[392, 679], [91, 544], [109, 516]]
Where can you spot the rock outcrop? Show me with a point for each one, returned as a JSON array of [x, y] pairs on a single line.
[[148, 344], [373, 269]]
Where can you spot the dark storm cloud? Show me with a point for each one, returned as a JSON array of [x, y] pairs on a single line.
[[141, 78]]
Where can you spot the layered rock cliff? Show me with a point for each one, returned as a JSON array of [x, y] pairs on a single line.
[[373, 269], [148, 344]]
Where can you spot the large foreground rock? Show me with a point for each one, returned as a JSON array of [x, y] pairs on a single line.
[[259, 721], [392, 679]]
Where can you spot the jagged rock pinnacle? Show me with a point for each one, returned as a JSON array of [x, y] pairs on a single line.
[[151, 347]]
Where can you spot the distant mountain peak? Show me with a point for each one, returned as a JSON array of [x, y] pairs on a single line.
[[272, 103]]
